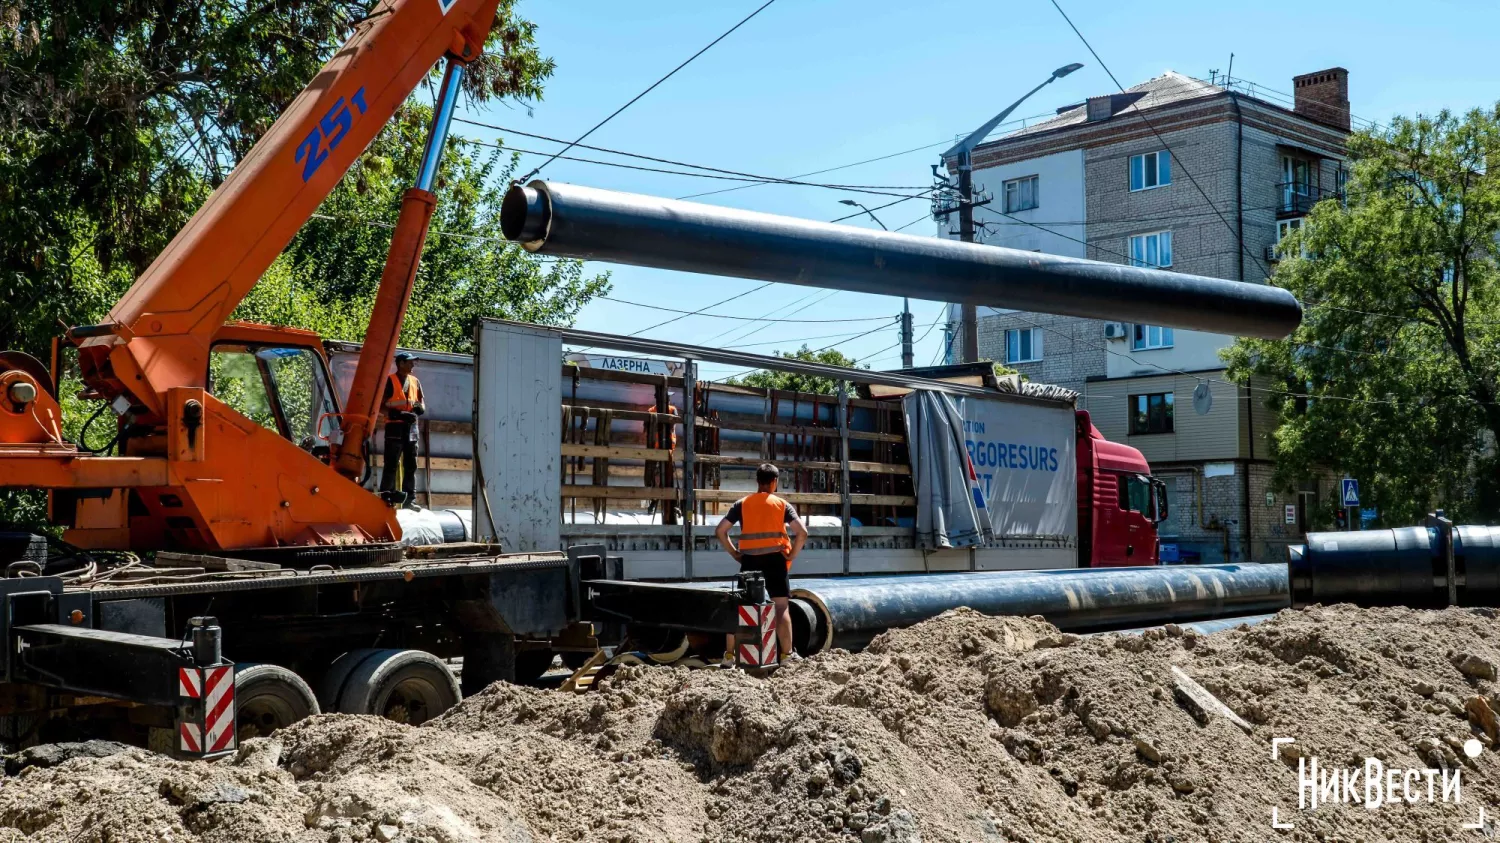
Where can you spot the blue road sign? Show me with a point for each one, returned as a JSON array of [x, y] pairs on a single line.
[[1351, 492]]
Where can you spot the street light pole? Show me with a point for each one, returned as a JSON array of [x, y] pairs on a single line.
[[961, 151], [906, 332]]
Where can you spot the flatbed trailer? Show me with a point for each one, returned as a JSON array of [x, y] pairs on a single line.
[[190, 661]]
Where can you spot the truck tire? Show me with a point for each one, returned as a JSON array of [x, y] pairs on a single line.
[[407, 686], [269, 697]]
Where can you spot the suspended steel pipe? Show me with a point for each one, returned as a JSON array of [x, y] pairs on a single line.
[[582, 222], [847, 612]]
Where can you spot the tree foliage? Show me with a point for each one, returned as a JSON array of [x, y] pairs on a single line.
[[794, 382], [1392, 376]]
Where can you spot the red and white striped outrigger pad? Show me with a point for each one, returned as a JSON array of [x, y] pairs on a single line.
[[757, 637], [209, 694]]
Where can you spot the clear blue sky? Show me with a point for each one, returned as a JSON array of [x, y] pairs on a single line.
[[810, 84]]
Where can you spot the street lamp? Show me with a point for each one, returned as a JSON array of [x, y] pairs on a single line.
[[961, 151], [853, 204]]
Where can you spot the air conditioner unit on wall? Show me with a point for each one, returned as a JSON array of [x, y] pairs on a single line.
[[1114, 330]]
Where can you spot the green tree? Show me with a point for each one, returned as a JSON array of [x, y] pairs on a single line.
[[1392, 376], [763, 378]]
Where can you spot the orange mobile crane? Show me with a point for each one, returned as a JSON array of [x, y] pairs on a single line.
[[193, 472]]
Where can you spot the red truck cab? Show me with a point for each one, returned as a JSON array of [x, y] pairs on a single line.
[[1119, 502]]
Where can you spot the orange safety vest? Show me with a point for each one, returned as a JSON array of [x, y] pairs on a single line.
[[763, 526], [403, 398]]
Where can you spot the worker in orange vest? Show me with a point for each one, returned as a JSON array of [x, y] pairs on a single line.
[[403, 403], [765, 548]]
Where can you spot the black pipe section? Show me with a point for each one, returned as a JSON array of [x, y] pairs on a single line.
[[1404, 566], [584, 222], [847, 612]]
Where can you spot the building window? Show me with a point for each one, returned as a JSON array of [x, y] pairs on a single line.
[[1147, 337], [1151, 413], [1021, 194], [1023, 345], [1154, 249], [1284, 228], [1154, 169]]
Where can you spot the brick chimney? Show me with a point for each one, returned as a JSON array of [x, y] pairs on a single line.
[[1323, 96]]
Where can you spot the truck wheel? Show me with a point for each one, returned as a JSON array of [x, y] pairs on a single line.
[[407, 686], [269, 697]]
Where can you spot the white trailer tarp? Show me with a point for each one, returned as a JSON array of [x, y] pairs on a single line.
[[1024, 457]]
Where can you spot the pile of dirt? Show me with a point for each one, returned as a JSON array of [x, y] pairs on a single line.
[[964, 728]]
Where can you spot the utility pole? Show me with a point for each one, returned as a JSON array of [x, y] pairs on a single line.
[[969, 314], [948, 198], [906, 361]]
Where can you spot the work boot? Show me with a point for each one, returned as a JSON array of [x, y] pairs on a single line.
[[729, 659], [790, 658]]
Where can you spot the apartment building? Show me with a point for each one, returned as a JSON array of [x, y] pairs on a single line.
[[1202, 177]]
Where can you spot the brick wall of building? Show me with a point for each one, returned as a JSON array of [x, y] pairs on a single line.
[[1201, 243]]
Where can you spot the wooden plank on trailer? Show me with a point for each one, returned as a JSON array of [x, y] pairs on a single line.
[[618, 493], [620, 452], [436, 463]]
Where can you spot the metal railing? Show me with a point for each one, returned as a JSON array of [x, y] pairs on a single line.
[[1298, 198]]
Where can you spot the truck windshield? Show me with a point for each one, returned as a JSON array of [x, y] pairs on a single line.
[[283, 389], [1136, 494]]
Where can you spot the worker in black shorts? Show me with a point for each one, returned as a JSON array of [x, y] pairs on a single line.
[[765, 547]]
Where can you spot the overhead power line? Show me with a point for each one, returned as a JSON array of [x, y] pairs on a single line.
[[720, 170], [653, 86], [738, 318]]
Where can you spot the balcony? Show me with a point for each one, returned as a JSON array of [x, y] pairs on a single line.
[[1295, 199]]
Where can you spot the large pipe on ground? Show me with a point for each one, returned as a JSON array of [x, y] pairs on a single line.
[[848, 611], [583, 222], [1404, 566]]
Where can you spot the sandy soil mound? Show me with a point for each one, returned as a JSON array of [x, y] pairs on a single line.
[[964, 728]]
